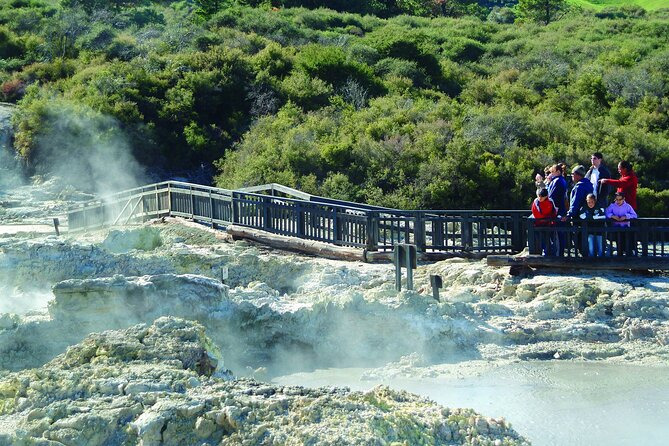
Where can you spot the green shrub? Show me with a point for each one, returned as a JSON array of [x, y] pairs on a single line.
[[653, 203], [10, 46]]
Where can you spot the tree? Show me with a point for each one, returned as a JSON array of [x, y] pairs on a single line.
[[542, 11]]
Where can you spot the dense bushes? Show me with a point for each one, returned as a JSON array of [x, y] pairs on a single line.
[[406, 111]]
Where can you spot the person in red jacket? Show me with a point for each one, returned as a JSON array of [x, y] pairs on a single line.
[[543, 209], [627, 183], [544, 213]]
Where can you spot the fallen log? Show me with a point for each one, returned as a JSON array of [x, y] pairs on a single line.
[[328, 250], [596, 263], [314, 247]]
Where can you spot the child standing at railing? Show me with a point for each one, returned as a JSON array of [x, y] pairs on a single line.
[[544, 213], [594, 217], [621, 213]]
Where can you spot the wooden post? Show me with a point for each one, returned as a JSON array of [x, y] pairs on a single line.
[[517, 244], [372, 231], [336, 226], [644, 231], [266, 215], [407, 259], [234, 217], [211, 209], [169, 198], [397, 261], [438, 232], [436, 283], [419, 232], [300, 219], [192, 203], [584, 239], [531, 238], [466, 228], [56, 223]]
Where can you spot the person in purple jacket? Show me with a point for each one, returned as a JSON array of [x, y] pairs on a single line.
[[621, 213]]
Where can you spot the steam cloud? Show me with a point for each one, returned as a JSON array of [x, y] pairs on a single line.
[[10, 171], [88, 150]]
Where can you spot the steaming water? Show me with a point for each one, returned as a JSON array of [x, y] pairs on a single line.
[[553, 403]]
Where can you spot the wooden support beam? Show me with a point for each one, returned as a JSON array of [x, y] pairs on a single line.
[[603, 263]]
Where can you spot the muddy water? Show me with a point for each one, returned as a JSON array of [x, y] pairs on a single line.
[[550, 403]]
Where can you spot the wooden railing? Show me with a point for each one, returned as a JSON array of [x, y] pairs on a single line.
[[310, 217], [645, 237], [359, 225]]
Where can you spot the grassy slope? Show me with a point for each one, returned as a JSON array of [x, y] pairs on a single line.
[[599, 4]]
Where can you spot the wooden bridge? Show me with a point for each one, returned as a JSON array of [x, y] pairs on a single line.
[[284, 211]]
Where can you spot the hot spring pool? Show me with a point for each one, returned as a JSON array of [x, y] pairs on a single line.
[[550, 403]]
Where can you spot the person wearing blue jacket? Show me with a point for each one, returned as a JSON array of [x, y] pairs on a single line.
[[557, 189], [582, 187], [557, 192]]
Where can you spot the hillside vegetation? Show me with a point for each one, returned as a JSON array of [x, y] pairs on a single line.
[[649, 5], [405, 111]]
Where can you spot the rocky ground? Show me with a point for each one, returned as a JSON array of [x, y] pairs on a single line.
[[272, 312], [159, 384]]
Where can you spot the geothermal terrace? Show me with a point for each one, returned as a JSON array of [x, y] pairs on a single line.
[[170, 333]]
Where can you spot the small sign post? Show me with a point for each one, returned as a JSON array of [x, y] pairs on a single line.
[[436, 283], [404, 255]]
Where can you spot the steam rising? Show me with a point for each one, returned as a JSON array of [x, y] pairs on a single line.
[[21, 302], [9, 166], [88, 150]]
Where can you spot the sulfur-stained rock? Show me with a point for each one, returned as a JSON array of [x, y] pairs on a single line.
[[162, 410]]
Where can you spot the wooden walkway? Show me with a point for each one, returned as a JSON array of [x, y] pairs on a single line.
[[280, 210]]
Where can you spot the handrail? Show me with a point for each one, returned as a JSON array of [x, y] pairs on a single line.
[[478, 232]]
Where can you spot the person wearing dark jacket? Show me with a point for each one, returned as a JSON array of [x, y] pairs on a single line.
[[627, 183], [582, 188], [595, 217], [557, 192], [557, 189], [598, 171]]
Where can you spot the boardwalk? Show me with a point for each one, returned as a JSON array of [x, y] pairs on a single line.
[[284, 211]]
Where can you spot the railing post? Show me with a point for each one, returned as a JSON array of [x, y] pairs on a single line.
[[192, 203], [644, 230], [266, 214], [419, 232], [438, 227], [467, 236], [372, 231], [300, 219], [157, 202], [531, 239], [335, 225], [517, 244], [169, 198], [211, 209], [234, 214], [584, 240]]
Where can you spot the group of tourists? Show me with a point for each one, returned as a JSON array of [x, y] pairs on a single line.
[[587, 202]]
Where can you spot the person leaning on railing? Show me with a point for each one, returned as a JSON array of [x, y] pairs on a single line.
[[627, 183], [595, 217], [544, 213], [582, 187], [621, 213]]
